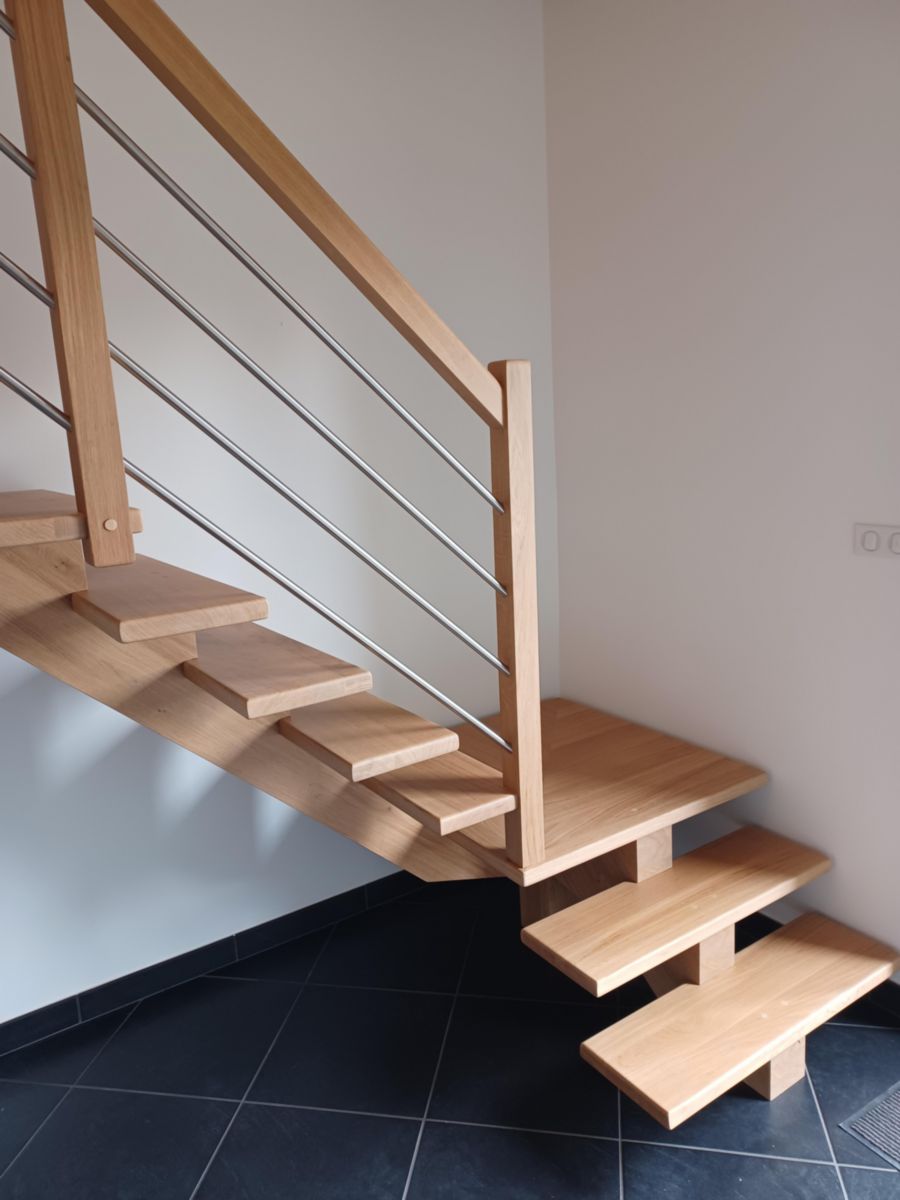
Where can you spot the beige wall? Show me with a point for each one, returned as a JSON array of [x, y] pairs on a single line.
[[725, 191], [426, 120]]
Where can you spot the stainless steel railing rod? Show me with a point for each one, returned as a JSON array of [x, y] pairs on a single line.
[[212, 226], [222, 340], [200, 422], [261, 472], [197, 518]]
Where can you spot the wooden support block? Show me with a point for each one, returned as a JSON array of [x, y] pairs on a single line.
[[781, 1073], [699, 964], [628, 864]]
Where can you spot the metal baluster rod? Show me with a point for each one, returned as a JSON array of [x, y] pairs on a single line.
[[221, 439], [163, 493], [250, 365], [200, 422], [184, 306], [293, 305]]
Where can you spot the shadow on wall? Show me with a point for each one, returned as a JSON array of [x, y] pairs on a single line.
[[120, 849]]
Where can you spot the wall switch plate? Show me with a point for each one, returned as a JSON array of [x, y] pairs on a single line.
[[877, 540]]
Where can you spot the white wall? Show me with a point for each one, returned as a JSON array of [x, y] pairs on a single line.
[[426, 121], [725, 184]]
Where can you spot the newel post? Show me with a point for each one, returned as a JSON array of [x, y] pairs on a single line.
[[515, 565], [62, 204]]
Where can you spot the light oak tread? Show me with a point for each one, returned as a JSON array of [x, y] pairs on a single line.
[[447, 793], [607, 782], [36, 517], [150, 599], [613, 937], [690, 1046], [259, 672], [361, 736]]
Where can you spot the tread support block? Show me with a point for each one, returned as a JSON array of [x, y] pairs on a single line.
[[781, 1073], [699, 964], [630, 863]]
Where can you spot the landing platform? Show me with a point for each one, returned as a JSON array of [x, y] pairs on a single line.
[[607, 782]]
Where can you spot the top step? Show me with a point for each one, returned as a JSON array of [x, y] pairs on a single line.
[[611, 938], [607, 782], [35, 517], [681, 1052], [260, 673], [149, 599]]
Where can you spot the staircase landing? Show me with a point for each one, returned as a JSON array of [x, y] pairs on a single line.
[[607, 782]]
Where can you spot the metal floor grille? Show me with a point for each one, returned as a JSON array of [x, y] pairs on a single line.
[[878, 1125]]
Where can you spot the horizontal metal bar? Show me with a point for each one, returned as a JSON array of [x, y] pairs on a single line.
[[28, 282], [300, 593], [187, 510], [147, 273], [200, 422], [293, 305], [222, 340], [35, 399], [221, 439], [19, 157]]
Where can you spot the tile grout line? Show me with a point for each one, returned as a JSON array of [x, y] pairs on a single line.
[[256, 1073], [71, 1088], [621, 1147], [440, 1058], [837, 1169]]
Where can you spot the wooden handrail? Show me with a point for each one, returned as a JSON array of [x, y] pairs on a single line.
[[515, 565], [63, 207], [178, 64]]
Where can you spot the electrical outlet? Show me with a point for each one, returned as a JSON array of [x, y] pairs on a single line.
[[877, 540]]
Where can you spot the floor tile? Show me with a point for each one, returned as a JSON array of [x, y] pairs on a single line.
[[169, 974], [752, 929], [499, 964], [115, 1146], [23, 1106], [868, 1012], [291, 962], [298, 924], [369, 1051], [400, 945], [742, 1121], [862, 1184], [458, 1162], [849, 1067], [666, 1173], [206, 1038], [61, 1058], [42, 1023], [290, 1154], [517, 1063]]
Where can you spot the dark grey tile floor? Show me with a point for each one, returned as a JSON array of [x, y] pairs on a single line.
[[414, 1052]]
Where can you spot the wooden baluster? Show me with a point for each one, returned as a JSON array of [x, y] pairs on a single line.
[[512, 470], [62, 204]]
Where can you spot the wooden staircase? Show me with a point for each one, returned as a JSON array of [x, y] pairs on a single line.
[[573, 805], [607, 905]]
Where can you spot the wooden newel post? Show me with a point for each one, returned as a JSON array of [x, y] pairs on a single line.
[[62, 203], [515, 564]]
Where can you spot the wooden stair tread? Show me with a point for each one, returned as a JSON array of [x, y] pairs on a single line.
[[34, 517], [613, 937], [149, 599], [259, 672], [607, 781], [361, 736], [447, 793], [691, 1045]]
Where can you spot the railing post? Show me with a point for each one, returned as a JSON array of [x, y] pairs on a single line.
[[62, 203], [512, 471]]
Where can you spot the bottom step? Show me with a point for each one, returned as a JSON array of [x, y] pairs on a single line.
[[690, 1046]]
